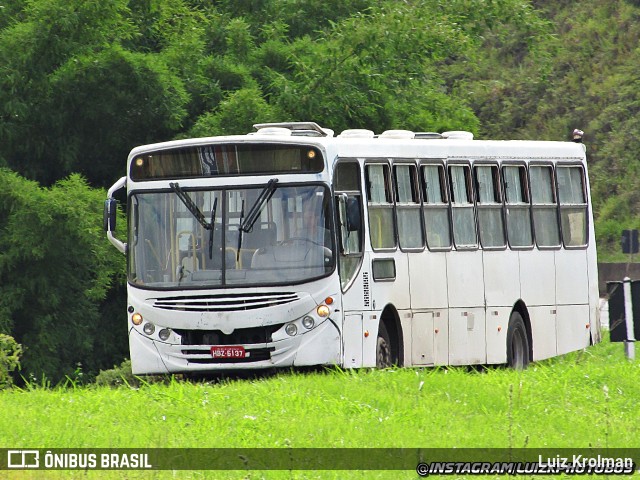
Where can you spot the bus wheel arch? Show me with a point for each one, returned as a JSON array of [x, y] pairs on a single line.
[[519, 342], [389, 345]]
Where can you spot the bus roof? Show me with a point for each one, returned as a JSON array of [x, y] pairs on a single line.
[[393, 143]]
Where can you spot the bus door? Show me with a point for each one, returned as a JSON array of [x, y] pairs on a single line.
[[388, 264], [354, 280]]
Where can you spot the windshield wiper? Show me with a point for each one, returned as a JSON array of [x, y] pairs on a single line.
[[261, 201], [213, 226], [240, 230], [191, 206]]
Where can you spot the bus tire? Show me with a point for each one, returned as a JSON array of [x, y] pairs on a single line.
[[385, 356], [517, 343]]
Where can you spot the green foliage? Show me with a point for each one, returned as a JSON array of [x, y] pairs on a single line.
[[117, 376], [121, 376], [56, 271], [10, 352], [236, 115], [71, 99], [301, 17], [108, 102]]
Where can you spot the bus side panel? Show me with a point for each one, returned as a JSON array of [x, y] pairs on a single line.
[[371, 324], [538, 278], [428, 280], [543, 331], [467, 336], [352, 335], [358, 296], [572, 328], [497, 324], [422, 349], [501, 278], [572, 289], [391, 291], [594, 303], [572, 283], [441, 337], [466, 288]]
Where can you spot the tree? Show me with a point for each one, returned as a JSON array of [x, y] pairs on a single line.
[[379, 70], [56, 272], [107, 103], [72, 99], [237, 114]]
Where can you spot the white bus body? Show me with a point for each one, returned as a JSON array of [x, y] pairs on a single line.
[[421, 249]]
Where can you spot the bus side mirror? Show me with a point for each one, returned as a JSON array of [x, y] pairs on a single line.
[[109, 216], [354, 219], [350, 227]]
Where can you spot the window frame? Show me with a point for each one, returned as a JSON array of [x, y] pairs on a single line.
[[446, 205], [526, 204], [585, 205], [388, 205], [376, 263], [496, 177], [469, 183], [540, 206], [414, 205], [359, 256]]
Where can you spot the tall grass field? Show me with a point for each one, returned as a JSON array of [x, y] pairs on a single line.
[[589, 398]]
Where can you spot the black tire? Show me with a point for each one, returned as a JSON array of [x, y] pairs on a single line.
[[517, 343], [385, 353]]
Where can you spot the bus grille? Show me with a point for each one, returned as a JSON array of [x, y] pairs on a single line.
[[224, 303], [240, 336], [197, 344]]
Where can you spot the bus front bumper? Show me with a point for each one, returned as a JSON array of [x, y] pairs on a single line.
[[319, 346]]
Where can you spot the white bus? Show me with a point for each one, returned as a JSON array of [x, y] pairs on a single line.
[[291, 246]]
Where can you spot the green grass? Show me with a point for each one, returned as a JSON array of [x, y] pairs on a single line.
[[584, 399]]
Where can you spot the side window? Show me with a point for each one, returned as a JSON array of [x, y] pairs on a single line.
[[346, 184], [517, 206], [379, 196], [408, 207], [435, 210], [462, 208], [573, 205], [489, 201], [544, 206]]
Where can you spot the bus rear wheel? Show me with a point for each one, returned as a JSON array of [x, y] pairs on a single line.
[[517, 343], [385, 356]]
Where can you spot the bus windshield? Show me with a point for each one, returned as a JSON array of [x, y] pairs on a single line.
[[187, 238]]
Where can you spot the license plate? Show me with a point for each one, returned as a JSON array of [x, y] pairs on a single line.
[[228, 351]]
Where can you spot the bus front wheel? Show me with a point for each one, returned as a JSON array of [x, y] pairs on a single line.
[[385, 357], [517, 343]]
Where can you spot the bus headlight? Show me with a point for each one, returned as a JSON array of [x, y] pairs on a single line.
[[136, 319], [291, 329], [323, 311], [164, 334], [149, 328], [308, 322]]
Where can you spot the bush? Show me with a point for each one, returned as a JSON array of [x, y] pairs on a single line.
[[10, 352], [117, 376], [60, 293], [121, 375]]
